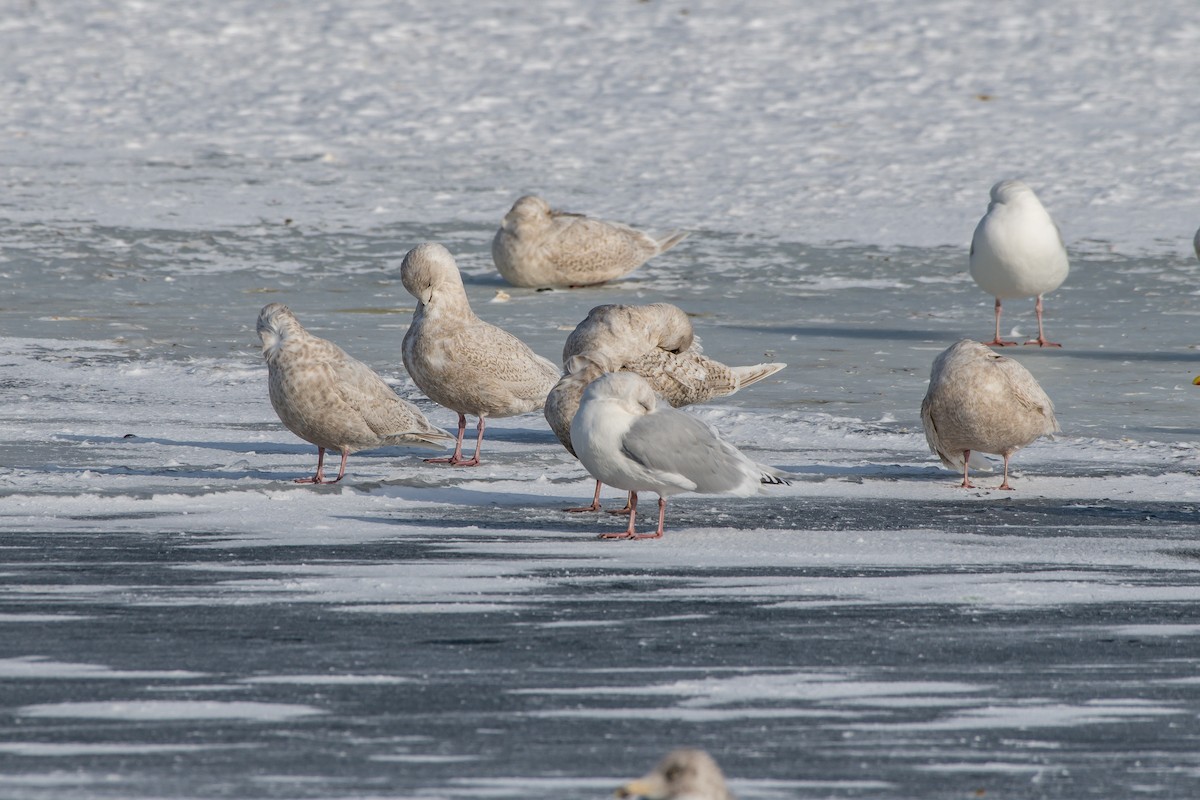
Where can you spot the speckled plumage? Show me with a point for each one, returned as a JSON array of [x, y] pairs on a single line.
[[458, 360], [682, 775], [331, 399], [1017, 251], [980, 401], [537, 247]]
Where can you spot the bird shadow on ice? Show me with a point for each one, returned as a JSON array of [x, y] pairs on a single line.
[[847, 332], [858, 472], [266, 448]]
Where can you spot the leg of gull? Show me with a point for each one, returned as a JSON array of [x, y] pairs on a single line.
[[595, 506], [620, 512], [1040, 341], [473, 460], [628, 532], [342, 469], [1005, 484], [997, 341], [966, 484], [320, 476], [662, 513], [458, 443]]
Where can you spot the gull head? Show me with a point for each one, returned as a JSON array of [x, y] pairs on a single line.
[[1008, 190], [428, 268], [275, 322], [683, 774], [627, 391], [528, 210]]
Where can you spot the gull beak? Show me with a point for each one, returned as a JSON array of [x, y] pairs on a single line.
[[1196, 381], [639, 788]]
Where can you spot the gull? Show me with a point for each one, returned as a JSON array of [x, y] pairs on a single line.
[[539, 247], [682, 775], [626, 438], [332, 400], [458, 360], [981, 401], [1017, 251], [655, 341]]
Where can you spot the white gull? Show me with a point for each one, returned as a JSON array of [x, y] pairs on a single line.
[[332, 400], [683, 774], [625, 437], [1017, 251], [458, 360]]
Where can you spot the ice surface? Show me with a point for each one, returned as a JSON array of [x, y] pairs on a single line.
[[179, 620]]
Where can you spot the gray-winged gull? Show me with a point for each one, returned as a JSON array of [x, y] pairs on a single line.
[[683, 774], [332, 400], [980, 401], [626, 438], [655, 341], [1018, 251], [538, 247], [458, 360]]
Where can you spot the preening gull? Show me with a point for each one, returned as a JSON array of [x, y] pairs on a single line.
[[539, 247], [458, 360], [981, 401], [682, 775], [655, 341], [626, 438], [1017, 251], [336, 402]]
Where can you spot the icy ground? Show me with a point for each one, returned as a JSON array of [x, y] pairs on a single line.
[[177, 619]]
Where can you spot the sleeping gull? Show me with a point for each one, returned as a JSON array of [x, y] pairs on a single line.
[[626, 438], [458, 360], [538, 247], [981, 401], [682, 775], [336, 402], [657, 342], [1017, 251]]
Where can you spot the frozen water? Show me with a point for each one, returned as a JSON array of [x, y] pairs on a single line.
[[177, 619]]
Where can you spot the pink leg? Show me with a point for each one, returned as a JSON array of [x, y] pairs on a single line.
[[458, 443], [1005, 484], [1041, 341], [966, 484], [320, 476], [595, 506], [997, 341], [628, 532], [662, 513], [342, 469], [473, 461]]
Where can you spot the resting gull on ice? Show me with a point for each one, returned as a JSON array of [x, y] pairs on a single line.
[[682, 775], [1017, 251], [458, 360], [980, 401], [626, 438], [539, 247], [655, 341], [336, 402]]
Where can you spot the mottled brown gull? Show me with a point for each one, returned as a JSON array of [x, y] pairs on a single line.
[[655, 341], [458, 360], [539, 247], [682, 775], [1017, 251], [332, 400], [980, 401], [625, 437]]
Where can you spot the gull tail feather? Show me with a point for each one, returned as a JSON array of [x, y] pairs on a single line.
[[670, 240], [745, 376]]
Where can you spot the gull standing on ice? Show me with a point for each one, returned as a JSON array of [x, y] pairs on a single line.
[[682, 775], [458, 360], [981, 401], [1017, 251], [626, 438], [334, 401], [655, 341], [539, 247]]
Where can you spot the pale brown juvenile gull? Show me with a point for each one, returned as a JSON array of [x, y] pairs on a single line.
[[458, 360], [980, 401], [539, 247], [625, 437], [682, 775], [332, 400], [1017, 251], [655, 341]]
